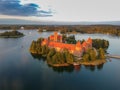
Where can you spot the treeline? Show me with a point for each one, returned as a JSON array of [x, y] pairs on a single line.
[[100, 43], [103, 29], [98, 51], [36, 47], [55, 57], [93, 54], [12, 27], [27, 27], [69, 39]]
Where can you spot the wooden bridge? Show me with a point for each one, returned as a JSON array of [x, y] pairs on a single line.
[[113, 56]]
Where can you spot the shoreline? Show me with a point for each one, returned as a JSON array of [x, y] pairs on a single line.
[[59, 65], [93, 63], [11, 36]]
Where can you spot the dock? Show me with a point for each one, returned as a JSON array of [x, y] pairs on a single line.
[[113, 56]]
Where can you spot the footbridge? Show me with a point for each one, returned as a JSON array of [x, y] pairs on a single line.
[[113, 56]]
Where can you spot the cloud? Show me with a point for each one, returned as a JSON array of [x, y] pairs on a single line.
[[13, 7]]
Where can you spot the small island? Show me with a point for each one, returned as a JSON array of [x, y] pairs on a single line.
[[11, 34], [62, 50]]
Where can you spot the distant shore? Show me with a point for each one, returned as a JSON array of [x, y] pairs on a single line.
[[11, 34]]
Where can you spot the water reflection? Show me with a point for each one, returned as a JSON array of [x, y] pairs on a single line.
[[11, 84], [93, 68], [68, 69], [100, 67], [77, 67], [37, 56]]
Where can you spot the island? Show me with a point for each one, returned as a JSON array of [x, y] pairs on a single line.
[[11, 34], [62, 50]]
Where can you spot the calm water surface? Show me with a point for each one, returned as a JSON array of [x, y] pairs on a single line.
[[19, 70]]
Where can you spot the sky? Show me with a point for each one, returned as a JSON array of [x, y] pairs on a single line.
[[61, 10]]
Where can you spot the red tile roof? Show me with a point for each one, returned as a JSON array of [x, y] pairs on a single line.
[[61, 45]]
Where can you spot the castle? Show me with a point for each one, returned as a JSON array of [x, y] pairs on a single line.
[[56, 41]]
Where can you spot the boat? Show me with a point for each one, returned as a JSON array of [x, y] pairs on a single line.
[[75, 64]]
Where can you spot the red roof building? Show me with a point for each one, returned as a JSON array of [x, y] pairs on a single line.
[[55, 41], [56, 37]]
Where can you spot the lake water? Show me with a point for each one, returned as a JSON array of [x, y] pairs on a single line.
[[19, 70]]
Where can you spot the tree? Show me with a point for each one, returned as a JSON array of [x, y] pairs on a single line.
[[101, 53], [51, 52], [92, 54], [69, 57], [33, 47], [54, 60], [100, 43], [85, 57], [40, 40], [45, 50]]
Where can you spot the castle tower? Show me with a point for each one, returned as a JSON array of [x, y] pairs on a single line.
[[84, 44], [78, 46], [55, 36], [89, 41], [61, 39]]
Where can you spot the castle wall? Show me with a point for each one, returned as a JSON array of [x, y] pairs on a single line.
[[55, 41]]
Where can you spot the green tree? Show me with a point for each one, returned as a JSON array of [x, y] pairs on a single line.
[[54, 60], [86, 57], [33, 47], [51, 52], [101, 53], [69, 57], [92, 54]]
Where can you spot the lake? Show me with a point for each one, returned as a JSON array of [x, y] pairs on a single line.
[[19, 70]]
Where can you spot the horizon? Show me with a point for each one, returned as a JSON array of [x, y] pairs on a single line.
[[43, 22]]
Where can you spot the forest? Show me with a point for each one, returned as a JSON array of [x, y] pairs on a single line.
[[103, 29]]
